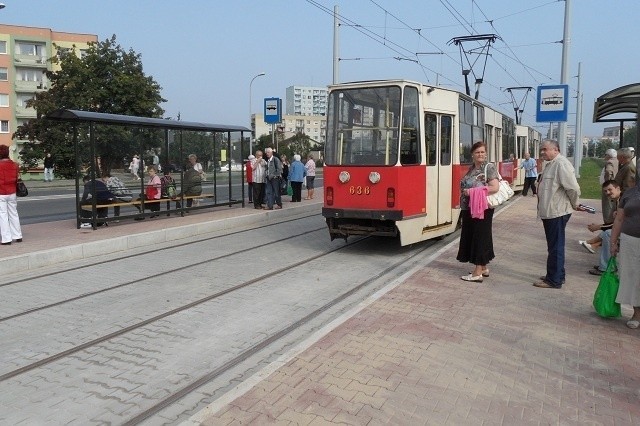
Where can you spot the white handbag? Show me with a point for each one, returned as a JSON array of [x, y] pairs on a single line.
[[504, 192]]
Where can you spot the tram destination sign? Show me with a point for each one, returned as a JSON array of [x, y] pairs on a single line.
[[553, 103], [272, 110]]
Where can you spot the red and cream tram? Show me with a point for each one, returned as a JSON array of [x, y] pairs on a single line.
[[395, 152]]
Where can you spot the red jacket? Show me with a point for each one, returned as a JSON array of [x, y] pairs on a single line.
[[249, 171], [8, 177]]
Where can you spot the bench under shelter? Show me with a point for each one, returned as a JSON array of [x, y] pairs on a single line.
[[172, 141]]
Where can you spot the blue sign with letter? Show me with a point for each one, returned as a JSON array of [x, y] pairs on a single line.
[[272, 110], [553, 103]]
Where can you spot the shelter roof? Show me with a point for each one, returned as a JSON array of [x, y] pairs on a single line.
[[127, 120], [623, 100]]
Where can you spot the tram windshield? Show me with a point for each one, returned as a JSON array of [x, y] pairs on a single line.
[[363, 126]]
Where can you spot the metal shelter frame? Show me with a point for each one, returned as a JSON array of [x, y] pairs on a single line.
[[92, 118], [623, 100]]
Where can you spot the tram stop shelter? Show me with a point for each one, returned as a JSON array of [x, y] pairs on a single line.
[[619, 106], [101, 139]]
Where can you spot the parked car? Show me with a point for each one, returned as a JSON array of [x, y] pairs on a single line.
[[173, 168], [234, 167]]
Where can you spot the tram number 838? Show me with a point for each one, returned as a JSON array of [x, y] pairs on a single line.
[[359, 190]]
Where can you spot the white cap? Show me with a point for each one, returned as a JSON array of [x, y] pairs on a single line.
[[251, 157]]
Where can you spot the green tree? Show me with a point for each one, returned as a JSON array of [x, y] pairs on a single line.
[[297, 144], [629, 136], [106, 79]]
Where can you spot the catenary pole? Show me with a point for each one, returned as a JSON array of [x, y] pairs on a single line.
[[564, 72], [577, 144], [336, 47]]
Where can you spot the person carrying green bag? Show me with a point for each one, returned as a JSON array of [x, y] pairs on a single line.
[[604, 299]]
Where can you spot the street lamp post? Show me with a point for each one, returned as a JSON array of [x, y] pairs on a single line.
[[252, 136]]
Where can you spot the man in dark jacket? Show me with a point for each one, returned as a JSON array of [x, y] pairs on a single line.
[[191, 185], [102, 195]]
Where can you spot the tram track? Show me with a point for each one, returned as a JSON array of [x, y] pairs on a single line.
[[137, 281], [146, 252], [138, 325], [269, 340], [135, 354]]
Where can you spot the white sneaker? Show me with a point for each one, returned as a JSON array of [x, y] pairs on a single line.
[[85, 225], [587, 246]]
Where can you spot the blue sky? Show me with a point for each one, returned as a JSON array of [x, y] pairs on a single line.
[[204, 53]]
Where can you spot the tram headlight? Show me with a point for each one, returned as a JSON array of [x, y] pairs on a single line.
[[374, 177], [344, 176]]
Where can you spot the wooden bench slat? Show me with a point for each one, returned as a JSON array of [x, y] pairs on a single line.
[[137, 202]]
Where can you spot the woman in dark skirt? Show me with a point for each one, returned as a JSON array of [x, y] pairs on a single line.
[[476, 239]]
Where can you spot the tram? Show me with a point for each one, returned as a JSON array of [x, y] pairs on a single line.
[[395, 153]]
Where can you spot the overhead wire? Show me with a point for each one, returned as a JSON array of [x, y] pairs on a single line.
[[407, 55]]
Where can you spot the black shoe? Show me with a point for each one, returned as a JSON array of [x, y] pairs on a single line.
[[19, 240], [6, 244], [595, 272], [139, 218]]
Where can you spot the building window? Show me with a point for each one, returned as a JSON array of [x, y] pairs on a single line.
[[4, 75], [21, 100], [3, 46], [4, 100], [31, 49], [4, 126]]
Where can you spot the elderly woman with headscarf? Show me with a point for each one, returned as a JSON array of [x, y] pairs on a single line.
[[9, 220]]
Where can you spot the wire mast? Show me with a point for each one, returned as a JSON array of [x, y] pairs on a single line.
[[518, 107], [481, 50]]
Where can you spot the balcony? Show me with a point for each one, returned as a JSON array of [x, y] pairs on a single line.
[[30, 60], [30, 86], [24, 112]]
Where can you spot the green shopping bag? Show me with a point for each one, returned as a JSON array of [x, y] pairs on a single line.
[[604, 299], [289, 190]]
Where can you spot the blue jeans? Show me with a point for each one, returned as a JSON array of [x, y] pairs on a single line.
[[605, 250], [272, 191], [554, 231]]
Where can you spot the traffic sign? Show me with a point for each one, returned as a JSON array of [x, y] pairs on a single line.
[[553, 103], [272, 110]]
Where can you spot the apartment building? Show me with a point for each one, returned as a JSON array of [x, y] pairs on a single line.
[[613, 133], [313, 126], [306, 100], [24, 58]]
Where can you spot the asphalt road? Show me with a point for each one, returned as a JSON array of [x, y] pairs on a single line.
[[56, 201]]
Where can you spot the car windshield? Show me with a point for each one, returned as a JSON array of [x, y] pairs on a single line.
[[363, 126]]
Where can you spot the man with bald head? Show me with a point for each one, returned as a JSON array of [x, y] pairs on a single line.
[[558, 193]]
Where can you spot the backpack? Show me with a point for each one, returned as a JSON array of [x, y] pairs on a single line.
[[168, 187]]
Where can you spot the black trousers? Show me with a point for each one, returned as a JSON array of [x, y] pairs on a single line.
[[529, 182], [258, 195]]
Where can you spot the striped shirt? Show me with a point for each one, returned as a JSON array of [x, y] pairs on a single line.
[[258, 166]]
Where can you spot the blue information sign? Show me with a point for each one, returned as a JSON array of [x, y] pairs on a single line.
[[272, 110], [553, 103]]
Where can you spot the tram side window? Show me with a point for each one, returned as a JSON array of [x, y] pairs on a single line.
[[508, 139], [522, 146], [446, 139], [430, 135], [410, 151], [466, 116]]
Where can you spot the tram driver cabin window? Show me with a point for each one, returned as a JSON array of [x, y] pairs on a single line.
[[410, 152], [471, 118], [363, 126]]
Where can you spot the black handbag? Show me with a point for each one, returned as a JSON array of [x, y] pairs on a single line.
[[21, 189]]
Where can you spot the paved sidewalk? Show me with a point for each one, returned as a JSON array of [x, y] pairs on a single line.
[[438, 350]]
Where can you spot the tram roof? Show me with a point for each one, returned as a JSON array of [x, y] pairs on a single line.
[[623, 100], [124, 120]]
